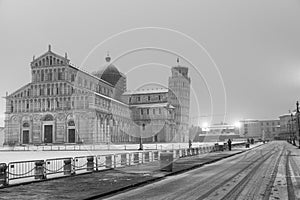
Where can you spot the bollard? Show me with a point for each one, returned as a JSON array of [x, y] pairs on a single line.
[[217, 147], [67, 166], [136, 158], [90, 163], [39, 170], [108, 161], [166, 161], [177, 153], [183, 152], [123, 159], [3, 175], [194, 151], [147, 157]]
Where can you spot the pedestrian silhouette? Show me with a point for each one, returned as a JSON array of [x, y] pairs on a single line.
[[229, 144]]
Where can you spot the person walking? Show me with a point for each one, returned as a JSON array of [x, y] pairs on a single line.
[[229, 144], [190, 143]]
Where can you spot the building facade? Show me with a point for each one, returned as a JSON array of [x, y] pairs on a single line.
[[64, 104], [262, 129], [288, 126]]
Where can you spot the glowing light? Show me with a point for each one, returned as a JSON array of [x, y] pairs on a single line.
[[204, 125], [237, 124]]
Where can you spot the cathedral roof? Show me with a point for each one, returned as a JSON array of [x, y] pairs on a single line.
[[110, 73], [153, 105], [150, 91]]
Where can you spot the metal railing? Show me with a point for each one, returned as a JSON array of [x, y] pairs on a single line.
[[31, 170]]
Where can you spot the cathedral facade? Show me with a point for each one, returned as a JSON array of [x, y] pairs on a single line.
[[64, 104]]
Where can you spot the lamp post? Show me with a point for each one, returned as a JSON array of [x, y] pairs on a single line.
[[141, 140], [292, 130], [289, 138], [297, 115]]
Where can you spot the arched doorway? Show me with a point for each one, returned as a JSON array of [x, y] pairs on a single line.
[[25, 133], [71, 132], [48, 124]]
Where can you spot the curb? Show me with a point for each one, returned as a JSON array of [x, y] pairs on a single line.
[[142, 183]]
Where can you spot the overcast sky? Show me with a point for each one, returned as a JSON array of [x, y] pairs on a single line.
[[253, 47]]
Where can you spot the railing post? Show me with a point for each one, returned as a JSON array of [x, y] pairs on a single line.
[[115, 161], [123, 159], [108, 161], [68, 166], [3, 174], [39, 170], [90, 163], [96, 163]]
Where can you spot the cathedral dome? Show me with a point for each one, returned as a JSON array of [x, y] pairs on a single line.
[[111, 74]]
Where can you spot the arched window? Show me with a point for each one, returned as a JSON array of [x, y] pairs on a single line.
[[42, 75], [144, 127], [48, 117], [26, 125], [71, 123]]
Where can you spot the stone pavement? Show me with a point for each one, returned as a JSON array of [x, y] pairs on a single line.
[[100, 184]]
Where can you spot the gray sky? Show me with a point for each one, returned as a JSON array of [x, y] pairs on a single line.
[[254, 43]]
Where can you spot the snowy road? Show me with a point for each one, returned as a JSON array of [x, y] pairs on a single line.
[[268, 172]]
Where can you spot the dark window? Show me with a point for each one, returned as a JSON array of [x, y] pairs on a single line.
[[144, 127], [148, 98], [71, 123], [141, 111], [26, 125], [147, 111], [59, 76], [72, 77]]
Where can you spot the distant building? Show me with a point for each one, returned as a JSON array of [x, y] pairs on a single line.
[[270, 128], [152, 111], [64, 104], [287, 125], [216, 132], [263, 129]]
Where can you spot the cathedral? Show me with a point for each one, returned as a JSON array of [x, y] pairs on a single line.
[[63, 104]]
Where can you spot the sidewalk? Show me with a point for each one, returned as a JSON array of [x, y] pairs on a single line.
[[99, 184]]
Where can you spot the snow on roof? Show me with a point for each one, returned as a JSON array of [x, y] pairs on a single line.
[[147, 91], [152, 105]]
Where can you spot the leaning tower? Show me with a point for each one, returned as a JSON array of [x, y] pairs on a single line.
[[179, 97]]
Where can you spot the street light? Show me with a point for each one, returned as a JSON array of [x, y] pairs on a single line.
[[297, 105], [292, 130], [141, 141]]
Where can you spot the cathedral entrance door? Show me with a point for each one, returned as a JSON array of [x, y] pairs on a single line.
[[71, 136], [48, 133], [26, 137]]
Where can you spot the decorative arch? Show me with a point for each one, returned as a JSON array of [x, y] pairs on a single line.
[[48, 117]]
